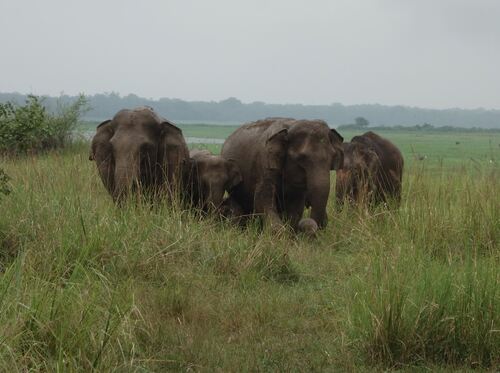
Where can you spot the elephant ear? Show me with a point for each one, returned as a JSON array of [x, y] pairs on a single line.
[[234, 174], [103, 135], [335, 137], [338, 158], [276, 146], [169, 127], [172, 150], [102, 152]]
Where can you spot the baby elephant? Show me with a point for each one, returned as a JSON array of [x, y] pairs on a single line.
[[211, 177]]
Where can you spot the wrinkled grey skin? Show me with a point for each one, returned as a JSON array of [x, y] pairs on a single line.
[[211, 177], [138, 148], [283, 162], [372, 172]]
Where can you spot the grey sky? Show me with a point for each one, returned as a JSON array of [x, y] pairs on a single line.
[[428, 53]]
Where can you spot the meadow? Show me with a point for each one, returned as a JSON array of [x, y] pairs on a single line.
[[87, 286]]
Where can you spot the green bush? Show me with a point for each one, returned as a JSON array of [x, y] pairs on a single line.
[[31, 128]]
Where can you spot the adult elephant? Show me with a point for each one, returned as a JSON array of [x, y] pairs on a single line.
[[138, 148], [372, 171], [284, 162]]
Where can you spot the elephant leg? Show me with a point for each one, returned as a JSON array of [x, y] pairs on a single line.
[[265, 203]]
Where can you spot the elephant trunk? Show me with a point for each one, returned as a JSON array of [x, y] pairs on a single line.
[[214, 198], [126, 176], [318, 189]]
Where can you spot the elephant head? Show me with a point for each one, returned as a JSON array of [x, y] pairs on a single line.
[[356, 178], [137, 148], [308, 151], [212, 176]]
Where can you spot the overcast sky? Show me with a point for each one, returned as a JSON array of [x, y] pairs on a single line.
[[427, 53]]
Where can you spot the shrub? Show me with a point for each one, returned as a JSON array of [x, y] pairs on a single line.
[[31, 128]]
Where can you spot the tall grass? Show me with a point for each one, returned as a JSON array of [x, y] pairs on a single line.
[[85, 285], [430, 293], [418, 311]]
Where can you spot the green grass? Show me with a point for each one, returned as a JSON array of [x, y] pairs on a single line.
[[85, 285]]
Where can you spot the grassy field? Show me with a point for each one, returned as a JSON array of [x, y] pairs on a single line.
[[84, 285]]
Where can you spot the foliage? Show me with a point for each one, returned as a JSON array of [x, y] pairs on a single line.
[[32, 128], [88, 286]]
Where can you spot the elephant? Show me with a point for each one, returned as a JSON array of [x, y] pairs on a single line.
[[308, 226], [284, 162], [372, 171], [138, 149], [211, 177]]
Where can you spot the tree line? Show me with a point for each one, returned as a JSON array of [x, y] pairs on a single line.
[[232, 110]]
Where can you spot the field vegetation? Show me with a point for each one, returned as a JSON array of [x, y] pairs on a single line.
[[32, 128], [85, 285]]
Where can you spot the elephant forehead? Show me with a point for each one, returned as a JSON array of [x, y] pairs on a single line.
[[213, 178], [307, 134], [216, 170], [309, 126], [145, 108], [130, 139], [137, 118]]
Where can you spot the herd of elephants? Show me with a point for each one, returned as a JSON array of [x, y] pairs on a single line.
[[273, 168]]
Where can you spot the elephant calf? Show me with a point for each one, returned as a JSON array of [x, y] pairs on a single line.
[[138, 148], [211, 177], [372, 171]]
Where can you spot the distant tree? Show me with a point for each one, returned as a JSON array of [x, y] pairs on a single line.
[[230, 102], [361, 122]]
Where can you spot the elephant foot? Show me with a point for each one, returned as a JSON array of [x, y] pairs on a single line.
[[308, 226]]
